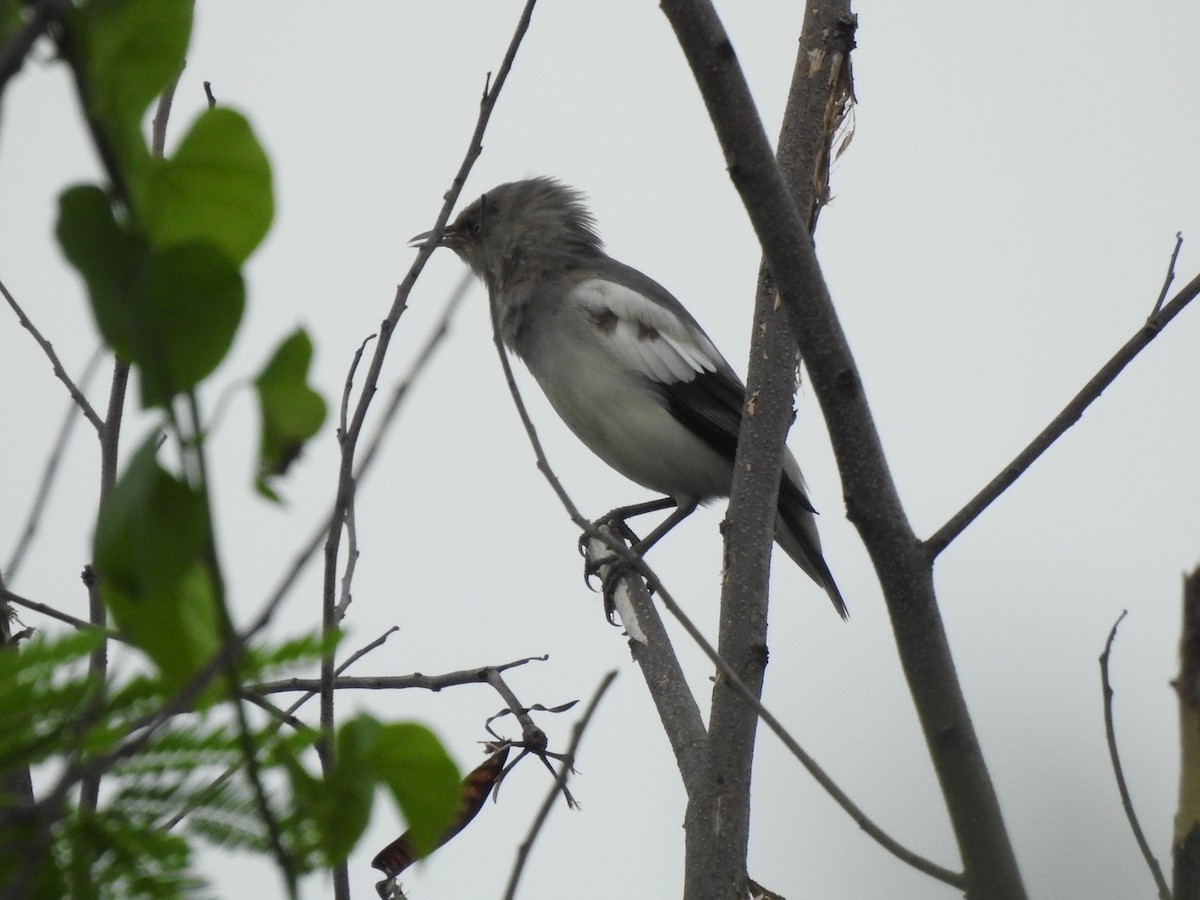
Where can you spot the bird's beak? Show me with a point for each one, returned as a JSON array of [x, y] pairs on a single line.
[[450, 238]]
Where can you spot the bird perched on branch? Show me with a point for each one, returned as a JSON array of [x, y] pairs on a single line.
[[620, 359]]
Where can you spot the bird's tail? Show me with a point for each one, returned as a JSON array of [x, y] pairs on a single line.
[[796, 533]]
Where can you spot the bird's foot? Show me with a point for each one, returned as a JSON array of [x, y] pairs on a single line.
[[608, 568]]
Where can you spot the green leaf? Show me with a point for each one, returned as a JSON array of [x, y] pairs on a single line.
[[172, 312], [405, 757], [131, 49], [111, 261], [215, 189], [422, 778], [149, 553], [183, 321], [291, 411], [349, 791]]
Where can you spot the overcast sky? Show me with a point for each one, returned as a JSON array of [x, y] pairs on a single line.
[[1001, 224]]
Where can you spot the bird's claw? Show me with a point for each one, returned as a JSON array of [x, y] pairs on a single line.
[[617, 569], [609, 568]]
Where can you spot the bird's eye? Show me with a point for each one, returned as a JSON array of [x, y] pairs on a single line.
[[476, 227]]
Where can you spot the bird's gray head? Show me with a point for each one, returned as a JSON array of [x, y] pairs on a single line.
[[524, 229]]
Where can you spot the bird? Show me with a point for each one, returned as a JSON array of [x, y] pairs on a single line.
[[622, 362]]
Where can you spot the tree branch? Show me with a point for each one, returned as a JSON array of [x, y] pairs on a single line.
[[50, 472], [673, 699], [717, 855], [560, 783], [874, 505], [1110, 736], [1185, 843], [1070, 414], [346, 478], [728, 678], [59, 372]]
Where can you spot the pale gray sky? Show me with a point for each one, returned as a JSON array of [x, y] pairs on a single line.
[[1001, 224]]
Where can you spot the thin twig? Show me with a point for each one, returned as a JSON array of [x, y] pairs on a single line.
[[346, 481], [196, 450], [636, 563], [110, 431], [532, 736], [1110, 735], [304, 554], [819, 775], [1170, 276], [346, 596], [434, 683], [543, 464], [1070, 414], [560, 783], [59, 372], [162, 115], [286, 718], [433, 341], [33, 605], [348, 387], [50, 471]]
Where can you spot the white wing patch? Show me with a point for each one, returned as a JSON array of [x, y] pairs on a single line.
[[647, 335]]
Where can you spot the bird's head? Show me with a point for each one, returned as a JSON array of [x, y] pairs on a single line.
[[539, 223]]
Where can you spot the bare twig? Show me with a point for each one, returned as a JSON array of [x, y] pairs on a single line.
[[9, 597], [348, 387], [110, 432], [1170, 276], [346, 595], [162, 114], [730, 677], [560, 783], [393, 682], [286, 718], [59, 372], [543, 463], [1110, 736], [346, 481], [304, 554], [1070, 414], [420, 363], [196, 461], [50, 471], [532, 736]]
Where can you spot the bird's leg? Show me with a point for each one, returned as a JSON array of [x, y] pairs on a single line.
[[616, 519], [621, 513], [682, 511]]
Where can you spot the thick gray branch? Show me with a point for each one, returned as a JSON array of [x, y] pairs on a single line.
[[903, 568]]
